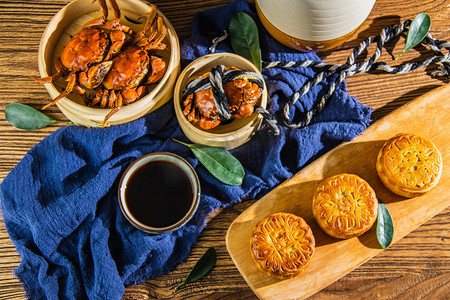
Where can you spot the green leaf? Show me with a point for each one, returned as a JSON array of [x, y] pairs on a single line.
[[25, 117], [418, 30], [244, 38], [219, 162], [202, 267], [385, 226]]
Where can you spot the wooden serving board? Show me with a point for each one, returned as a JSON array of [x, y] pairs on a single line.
[[427, 116]]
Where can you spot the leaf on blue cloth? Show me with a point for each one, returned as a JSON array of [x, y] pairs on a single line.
[[219, 162], [25, 117], [202, 267], [245, 39]]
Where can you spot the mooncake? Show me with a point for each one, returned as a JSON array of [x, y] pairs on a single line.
[[345, 206], [282, 245], [409, 165]]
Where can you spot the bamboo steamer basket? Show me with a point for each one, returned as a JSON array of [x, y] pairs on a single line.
[[313, 25], [66, 23], [232, 134]]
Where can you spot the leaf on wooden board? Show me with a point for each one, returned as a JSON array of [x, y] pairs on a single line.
[[385, 226], [25, 117]]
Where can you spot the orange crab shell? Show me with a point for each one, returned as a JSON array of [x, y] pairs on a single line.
[[84, 49], [241, 95], [128, 69]]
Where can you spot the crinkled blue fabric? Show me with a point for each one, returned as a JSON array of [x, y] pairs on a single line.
[[60, 206]]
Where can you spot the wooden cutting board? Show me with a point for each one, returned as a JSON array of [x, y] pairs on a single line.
[[427, 116]]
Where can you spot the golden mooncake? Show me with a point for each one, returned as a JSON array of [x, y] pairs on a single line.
[[345, 206], [409, 165], [282, 245]]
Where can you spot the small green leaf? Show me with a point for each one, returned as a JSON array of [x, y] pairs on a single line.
[[219, 162], [25, 117], [202, 267], [245, 39], [418, 30], [385, 226]]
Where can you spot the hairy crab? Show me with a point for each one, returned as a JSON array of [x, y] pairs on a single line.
[[134, 67], [241, 91], [85, 60]]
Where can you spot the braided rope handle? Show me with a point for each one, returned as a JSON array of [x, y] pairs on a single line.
[[351, 67]]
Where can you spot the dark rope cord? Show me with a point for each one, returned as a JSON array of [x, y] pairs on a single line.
[[216, 81], [351, 67]]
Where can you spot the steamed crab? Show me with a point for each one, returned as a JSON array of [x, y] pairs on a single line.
[[241, 95], [129, 75], [85, 60]]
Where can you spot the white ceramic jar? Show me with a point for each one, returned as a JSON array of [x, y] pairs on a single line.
[[311, 25]]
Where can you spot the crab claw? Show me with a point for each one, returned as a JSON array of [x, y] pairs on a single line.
[[95, 75], [132, 95], [159, 68]]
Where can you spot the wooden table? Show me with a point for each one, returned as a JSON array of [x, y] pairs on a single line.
[[418, 266]]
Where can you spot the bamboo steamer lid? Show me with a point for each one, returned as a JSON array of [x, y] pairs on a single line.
[[66, 23], [311, 25], [232, 134]]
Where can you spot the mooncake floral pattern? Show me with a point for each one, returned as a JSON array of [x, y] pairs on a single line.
[[345, 206], [412, 162], [282, 245]]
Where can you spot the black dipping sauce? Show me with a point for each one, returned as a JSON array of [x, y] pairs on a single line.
[[159, 193]]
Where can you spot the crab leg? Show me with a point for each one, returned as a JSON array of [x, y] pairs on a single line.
[[100, 20], [98, 96], [119, 104], [68, 90], [151, 17], [151, 43], [104, 98], [82, 93], [115, 8], [103, 20], [148, 24], [104, 8], [112, 99], [61, 72]]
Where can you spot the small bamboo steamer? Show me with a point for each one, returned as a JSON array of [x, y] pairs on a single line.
[[232, 134], [66, 23]]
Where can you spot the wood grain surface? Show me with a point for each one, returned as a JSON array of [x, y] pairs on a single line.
[[415, 267], [333, 258]]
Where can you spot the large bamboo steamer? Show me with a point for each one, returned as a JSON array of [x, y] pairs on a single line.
[[232, 134], [66, 23]]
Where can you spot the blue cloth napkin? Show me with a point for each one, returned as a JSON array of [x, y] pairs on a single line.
[[59, 203]]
